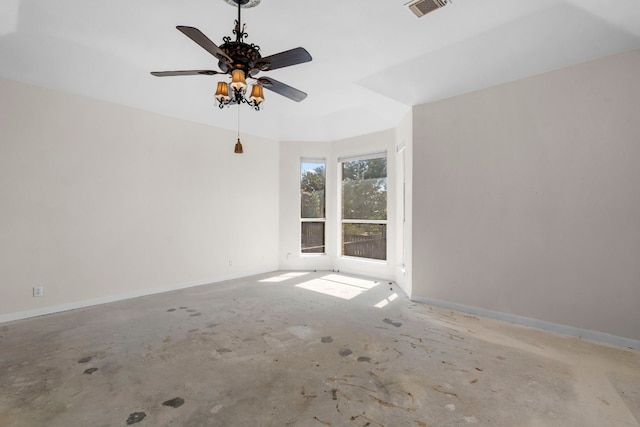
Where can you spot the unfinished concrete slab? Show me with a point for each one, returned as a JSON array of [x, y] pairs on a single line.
[[304, 349]]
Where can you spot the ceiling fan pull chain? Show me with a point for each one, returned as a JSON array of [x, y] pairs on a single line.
[[238, 147]]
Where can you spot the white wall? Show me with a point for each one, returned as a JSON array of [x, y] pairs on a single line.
[[99, 201], [290, 154], [526, 198]]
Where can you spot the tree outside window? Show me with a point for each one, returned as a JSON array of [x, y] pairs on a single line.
[[312, 206]]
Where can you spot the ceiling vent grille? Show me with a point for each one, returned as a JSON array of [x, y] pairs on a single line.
[[422, 7]]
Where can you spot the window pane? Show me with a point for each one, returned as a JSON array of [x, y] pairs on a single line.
[[312, 189], [365, 240], [364, 189], [312, 237]]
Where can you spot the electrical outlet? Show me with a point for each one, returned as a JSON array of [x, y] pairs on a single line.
[[38, 291]]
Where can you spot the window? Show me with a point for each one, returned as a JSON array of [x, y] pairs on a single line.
[[364, 206], [312, 206]]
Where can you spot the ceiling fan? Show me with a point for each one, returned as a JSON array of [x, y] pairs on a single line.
[[241, 60]]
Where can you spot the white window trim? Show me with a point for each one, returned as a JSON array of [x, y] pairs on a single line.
[[365, 156], [364, 221]]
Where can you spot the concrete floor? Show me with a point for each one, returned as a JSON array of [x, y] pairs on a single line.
[[304, 349]]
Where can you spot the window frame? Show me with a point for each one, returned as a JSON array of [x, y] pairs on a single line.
[[323, 219], [342, 220]]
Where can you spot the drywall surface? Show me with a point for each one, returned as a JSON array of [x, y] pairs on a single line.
[[526, 198], [101, 201]]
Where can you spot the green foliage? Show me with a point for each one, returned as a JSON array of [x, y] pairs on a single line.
[[364, 189], [357, 170], [312, 192]]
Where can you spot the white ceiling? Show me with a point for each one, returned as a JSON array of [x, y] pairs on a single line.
[[372, 59]]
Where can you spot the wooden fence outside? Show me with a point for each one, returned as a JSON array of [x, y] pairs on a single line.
[[372, 246], [312, 238]]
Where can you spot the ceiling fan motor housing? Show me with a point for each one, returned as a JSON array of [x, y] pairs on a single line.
[[244, 56]]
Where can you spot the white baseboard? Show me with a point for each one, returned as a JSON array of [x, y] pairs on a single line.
[[536, 323], [10, 317]]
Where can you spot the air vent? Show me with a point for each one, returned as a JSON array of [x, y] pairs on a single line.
[[422, 7]]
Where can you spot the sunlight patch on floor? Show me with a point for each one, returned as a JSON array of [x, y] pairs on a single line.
[[338, 286], [386, 301], [283, 277]]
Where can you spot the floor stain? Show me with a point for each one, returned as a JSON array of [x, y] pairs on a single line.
[[326, 340], [183, 308], [440, 389], [90, 371], [195, 314], [191, 310], [345, 352], [211, 325], [391, 405], [307, 396], [170, 310], [85, 359], [193, 330], [321, 421], [135, 417], [391, 322], [176, 402], [364, 359], [377, 381], [334, 394]]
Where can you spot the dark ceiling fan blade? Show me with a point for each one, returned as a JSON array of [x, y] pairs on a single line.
[[197, 36], [184, 73], [283, 59], [282, 89]]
